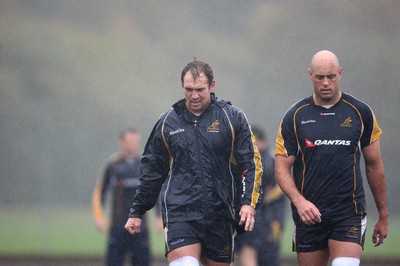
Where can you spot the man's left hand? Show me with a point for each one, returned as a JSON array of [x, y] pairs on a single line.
[[247, 217]]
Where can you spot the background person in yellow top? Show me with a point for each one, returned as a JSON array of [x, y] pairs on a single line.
[[120, 176], [262, 245], [321, 137]]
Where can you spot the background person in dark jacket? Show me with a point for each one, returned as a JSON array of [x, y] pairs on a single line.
[[189, 156], [120, 176], [262, 245]]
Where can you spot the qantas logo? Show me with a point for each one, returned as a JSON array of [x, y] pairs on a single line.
[[326, 142], [309, 143]]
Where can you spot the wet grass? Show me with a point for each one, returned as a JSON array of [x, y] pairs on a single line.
[[68, 231]]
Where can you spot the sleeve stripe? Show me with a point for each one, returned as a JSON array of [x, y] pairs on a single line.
[[377, 131], [280, 143], [258, 173], [97, 207]]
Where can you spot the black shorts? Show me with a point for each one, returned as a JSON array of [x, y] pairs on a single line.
[[308, 238], [215, 237]]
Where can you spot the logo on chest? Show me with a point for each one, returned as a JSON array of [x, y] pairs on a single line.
[[179, 130], [347, 122], [327, 142], [214, 127], [325, 114], [308, 121]]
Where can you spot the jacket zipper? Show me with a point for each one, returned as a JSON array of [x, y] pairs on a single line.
[[204, 205]]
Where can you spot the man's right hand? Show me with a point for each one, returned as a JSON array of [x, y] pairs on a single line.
[[133, 225], [308, 212]]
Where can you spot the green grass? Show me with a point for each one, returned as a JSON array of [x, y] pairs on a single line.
[[67, 231], [52, 231], [56, 231]]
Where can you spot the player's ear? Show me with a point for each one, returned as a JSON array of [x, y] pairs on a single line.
[[212, 85]]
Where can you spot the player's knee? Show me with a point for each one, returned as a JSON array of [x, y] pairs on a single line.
[[185, 261], [345, 261]]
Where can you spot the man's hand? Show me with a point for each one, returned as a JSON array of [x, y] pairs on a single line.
[[308, 212], [100, 225], [247, 217], [133, 225], [159, 224], [380, 231]]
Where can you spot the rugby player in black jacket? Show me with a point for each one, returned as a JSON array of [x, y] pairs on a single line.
[[191, 157]]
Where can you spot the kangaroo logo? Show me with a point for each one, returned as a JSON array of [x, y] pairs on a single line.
[[214, 127], [347, 122]]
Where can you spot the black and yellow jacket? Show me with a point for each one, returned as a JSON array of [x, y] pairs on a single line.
[[193, 160]]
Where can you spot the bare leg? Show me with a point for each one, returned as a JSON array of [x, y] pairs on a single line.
[[315, 258], [190, 250], [248, 256], [344, 249], [214, 263]]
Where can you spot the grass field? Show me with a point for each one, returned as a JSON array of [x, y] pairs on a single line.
[[67, 231]]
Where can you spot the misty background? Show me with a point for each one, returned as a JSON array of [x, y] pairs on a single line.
[[73, 74]]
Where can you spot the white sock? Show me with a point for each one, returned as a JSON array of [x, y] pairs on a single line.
[[185, 261], [345, 261]]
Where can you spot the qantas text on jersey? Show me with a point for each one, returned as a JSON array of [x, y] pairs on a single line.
[[319, 142]]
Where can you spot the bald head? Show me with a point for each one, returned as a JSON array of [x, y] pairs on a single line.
[[325, 58], [325, 74]]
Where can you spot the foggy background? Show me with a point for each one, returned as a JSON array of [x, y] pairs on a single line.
[[75, 73]]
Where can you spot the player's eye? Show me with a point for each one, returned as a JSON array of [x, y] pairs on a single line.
[[322, 77]]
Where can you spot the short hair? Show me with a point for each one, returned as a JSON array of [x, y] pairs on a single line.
[[259, 133], [126, 131], [196, 68]]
